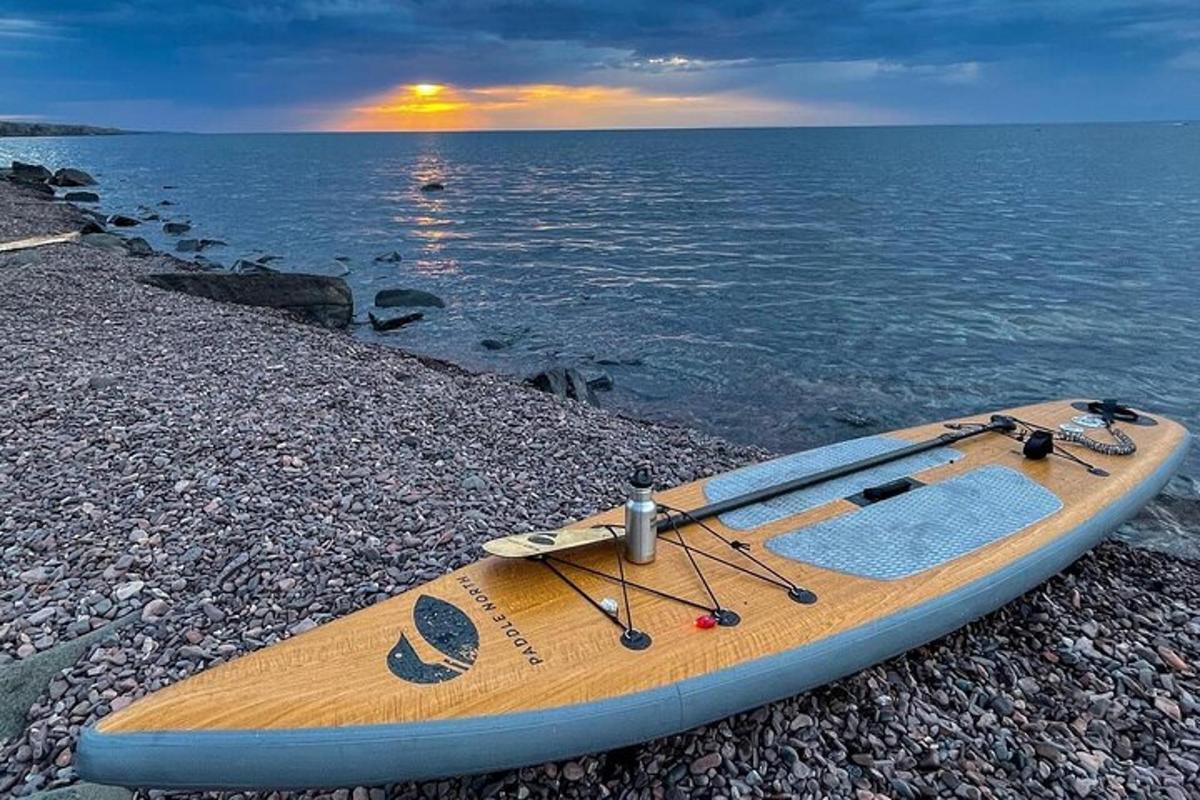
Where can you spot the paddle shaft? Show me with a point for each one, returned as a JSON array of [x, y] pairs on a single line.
[[804, 481]]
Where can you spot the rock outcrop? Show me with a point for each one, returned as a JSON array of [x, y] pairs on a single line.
[[316, 298]]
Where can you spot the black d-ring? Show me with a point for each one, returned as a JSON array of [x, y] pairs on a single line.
[[635, 639], [726, 618], [802, 595]]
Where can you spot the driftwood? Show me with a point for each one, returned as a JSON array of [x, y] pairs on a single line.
[[38, 241]]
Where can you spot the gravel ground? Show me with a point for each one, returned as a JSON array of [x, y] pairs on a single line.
[[229, 477]]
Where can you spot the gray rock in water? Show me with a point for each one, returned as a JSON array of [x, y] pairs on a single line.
[[176, 228], [564, 382], [601, 383], [137, 246], [390, 258], [30, 173], [433, 186], [122, 221], [317, 298], [196, 245], [385, 323], [244, 266], [394, 298], [578, 387], [68, 176], [495, 344], [81, 197]]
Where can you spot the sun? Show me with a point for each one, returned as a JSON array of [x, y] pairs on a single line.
[[427, 89]]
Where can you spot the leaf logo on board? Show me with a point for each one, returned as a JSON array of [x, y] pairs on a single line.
[[444, 628]]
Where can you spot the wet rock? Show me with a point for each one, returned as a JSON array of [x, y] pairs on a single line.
[[81, 197], [137, 246], [103, 241], [196, 245], [30, 173], [389, 258], [396, 298], [122, 221], [383, 322], [69, 176], [176, 228], [433, 186], [315, 298], [495, 344], [601, 383], [564, 382], [245, 266]]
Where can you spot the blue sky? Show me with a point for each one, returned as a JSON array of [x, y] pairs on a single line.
[[385, 64]]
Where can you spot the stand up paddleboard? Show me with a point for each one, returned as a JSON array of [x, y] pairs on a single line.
[[768, 580]]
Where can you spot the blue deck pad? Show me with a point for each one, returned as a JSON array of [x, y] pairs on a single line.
[[923, 528], [769, 473]]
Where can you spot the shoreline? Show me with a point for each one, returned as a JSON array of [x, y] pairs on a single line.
[[216, 477]]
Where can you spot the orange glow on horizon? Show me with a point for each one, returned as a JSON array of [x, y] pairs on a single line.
[[443, 107]]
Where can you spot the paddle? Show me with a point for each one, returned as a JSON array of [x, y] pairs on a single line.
[[998, 422]]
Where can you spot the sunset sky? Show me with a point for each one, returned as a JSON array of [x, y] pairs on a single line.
[[272, 65]]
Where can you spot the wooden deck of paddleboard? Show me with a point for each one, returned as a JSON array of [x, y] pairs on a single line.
[[543, 647]]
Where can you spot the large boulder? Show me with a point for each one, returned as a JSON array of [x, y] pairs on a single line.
[[397, 298], [30, 173], [72, 177], [316, 298]]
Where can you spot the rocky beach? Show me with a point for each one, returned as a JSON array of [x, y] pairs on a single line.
[[183, 481]]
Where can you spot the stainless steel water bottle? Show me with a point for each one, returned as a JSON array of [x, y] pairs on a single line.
[[641, 535]]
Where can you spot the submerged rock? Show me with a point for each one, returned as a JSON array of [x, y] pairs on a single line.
[[122, 221], [433, 186], [388, 258], [382, 322], [393, 298], [317, 298], [81, 197], [68, 176], [196, 245], [495, 344], [176, 228]]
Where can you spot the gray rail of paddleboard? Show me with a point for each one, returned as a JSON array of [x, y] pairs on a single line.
[[376, 754]]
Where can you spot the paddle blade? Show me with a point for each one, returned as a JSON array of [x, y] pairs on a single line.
[[536, 543]]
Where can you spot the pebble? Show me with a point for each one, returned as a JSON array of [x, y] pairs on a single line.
[[128, 590], [1082, 688]]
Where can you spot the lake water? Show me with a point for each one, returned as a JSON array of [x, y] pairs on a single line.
[[781, 287]]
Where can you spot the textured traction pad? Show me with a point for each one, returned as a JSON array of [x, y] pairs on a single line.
[[769, 473], [923, 528]]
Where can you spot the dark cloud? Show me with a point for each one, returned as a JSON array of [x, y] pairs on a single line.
[[227, 54]]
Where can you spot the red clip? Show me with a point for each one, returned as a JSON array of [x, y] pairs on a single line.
[[706, 621]]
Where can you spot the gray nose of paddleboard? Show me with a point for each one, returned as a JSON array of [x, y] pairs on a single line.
[[808, 462], [923, 528]]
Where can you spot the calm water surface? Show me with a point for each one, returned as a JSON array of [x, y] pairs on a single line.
[[781, 287]]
